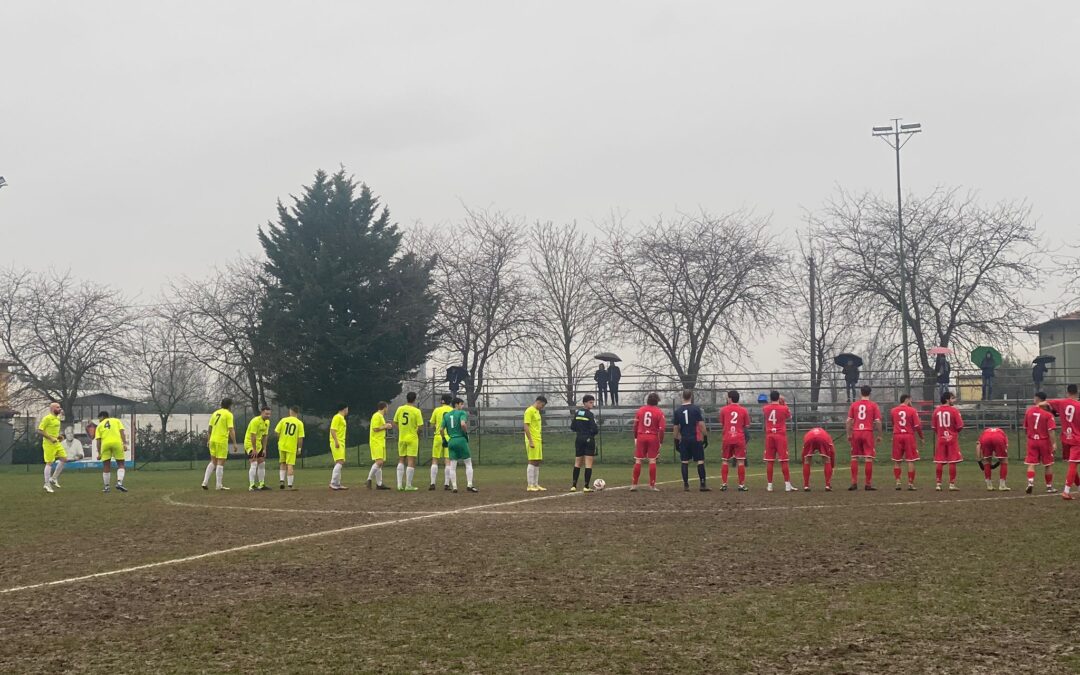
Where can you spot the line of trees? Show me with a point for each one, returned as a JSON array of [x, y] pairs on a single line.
[[342, 307]]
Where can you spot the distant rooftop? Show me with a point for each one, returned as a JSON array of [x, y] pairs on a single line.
[[1065, 318]]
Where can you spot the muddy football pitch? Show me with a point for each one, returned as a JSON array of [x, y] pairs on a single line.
[[171, 578]]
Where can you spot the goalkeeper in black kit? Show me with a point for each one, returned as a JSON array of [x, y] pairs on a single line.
[[583, 424]]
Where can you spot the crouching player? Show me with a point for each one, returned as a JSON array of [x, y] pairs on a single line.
[[455, 424], [110, 440], [817, 441], [649, 426], [993, 444], [255, 447]]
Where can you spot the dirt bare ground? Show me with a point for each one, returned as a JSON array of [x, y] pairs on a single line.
[[614, 582]]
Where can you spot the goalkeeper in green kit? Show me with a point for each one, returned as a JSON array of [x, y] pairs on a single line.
[[456, 426]]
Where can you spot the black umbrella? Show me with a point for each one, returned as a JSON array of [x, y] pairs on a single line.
[[1044, 359], [842, 360], [607, 356]]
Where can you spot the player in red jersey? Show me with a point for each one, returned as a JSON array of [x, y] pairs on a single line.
[[817, 441], [1041, 439], [947, 423], [776, 416], [905, 426], [1068, 412], [993, 444], [734, 419], [649, 426], [863, 423]]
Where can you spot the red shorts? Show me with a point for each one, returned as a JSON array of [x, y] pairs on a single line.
[[734, 448], [904, 448], [1074, 452], [862, 444], [947, 451], [823, 449], [647, 447], [1040, 452], [776, 448], [994, 449]]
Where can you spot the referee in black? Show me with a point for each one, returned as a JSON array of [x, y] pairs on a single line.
[[584, 425]]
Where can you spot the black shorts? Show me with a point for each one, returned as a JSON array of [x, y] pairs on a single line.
[[584, 447], [691, 450]]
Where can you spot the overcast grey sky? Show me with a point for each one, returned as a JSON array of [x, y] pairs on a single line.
[[143, 140]]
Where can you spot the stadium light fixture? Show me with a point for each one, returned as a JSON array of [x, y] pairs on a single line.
[[896, 137]]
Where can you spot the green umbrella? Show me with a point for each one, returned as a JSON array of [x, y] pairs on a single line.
[[979, 353]]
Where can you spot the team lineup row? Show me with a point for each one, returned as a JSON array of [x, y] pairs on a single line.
[[450, 422]]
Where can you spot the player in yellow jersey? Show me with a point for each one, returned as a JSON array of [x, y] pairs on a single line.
[[377, 445], [110, 443], [337, 445], [534, 447], [407, 419], [290, 435], [222, 433], [255, 447], [440, 443], [49, 430]]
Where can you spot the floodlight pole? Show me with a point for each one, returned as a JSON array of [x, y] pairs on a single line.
[[892, 137]]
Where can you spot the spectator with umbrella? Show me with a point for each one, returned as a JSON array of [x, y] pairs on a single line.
[[614, 375], [987, 359], [607, 379], [1039, 370], [942, 369], [849, 366]]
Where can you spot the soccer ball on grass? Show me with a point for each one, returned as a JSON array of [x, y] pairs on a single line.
[[599, 484]]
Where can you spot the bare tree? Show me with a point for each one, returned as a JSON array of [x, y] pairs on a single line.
[[560, 258], [967, 267], [833, 334], [165, 372], [217, 322], [64, 335], [485, 313], [693, 287]]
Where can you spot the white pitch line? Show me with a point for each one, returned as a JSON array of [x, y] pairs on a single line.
[[267, 509], [274, 542]]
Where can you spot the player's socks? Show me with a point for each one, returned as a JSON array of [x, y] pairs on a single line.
[[378, 474], [253, 469], [634, 480], [911, 476], [220, 474], [588, 476], [952, 472], [106, 478], [48, 473], [529, 475], [536, 477], [768, 472], [724, 471], [1031, 476], [701, 473], [652, 473], [938, 469], [685, 474], [400, 476], [209, 472], [1049, 475], [986, 469], [434, 472], [577, 473], [1003, 472], [451, 471], [281, 474], [785, 469], [742, 474], [896, 471], [409, 474], [468, 473], [261, 473], [120, 473], [828, 474], [1070, 476], [868, 470], [372, 472], [806, 473], [854, 472], [335, 475], [57, 471], [290, 479], [446, 478]]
